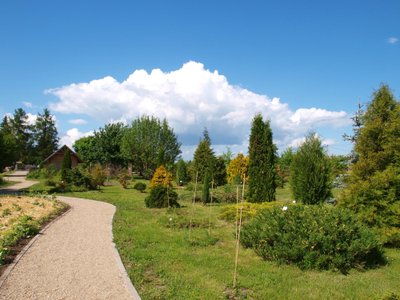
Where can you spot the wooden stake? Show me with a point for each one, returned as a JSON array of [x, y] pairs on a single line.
[[238, 234]]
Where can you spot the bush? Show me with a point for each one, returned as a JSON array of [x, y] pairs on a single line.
[[140, 186], [160, 197], [97, 177], [313, 237], [249, 211], [123, 179]]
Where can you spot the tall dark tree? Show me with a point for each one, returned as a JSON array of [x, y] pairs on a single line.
[[262, 159], [204, 158], [23, 134], [45, 136], [66, 166], [311, 179], [374, 184], [220, 176], [148, 143], [8, 148], [205, 195]]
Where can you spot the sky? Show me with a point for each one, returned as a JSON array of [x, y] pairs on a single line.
[[304, 65]]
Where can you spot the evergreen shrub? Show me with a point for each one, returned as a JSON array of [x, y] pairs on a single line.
[[161, 196], [140, 186], [313, 237]]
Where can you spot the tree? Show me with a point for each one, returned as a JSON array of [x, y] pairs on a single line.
[[238, 169], [373, 191], [227, 156], [88, 149], [66, 166], [148, 143], [45, 135], [181, 172], [219, 176], [311, 179], [161, 177], [262, 156], [107, 141], [22, 132], [283, 166], [8, 145], [205, 195], [204, 158]]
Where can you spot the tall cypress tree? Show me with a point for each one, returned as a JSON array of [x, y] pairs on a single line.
[[262, 156]]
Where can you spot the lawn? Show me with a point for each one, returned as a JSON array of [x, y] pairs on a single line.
[[167, 261]]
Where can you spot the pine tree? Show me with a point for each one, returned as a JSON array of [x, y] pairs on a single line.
[[204, 158], [373, 190], [66, 166], [310, 178], [22, 132], [45, 136], [181, 172], [262, 156]]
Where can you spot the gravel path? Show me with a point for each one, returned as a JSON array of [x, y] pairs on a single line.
[[75, 258], [18, 176]]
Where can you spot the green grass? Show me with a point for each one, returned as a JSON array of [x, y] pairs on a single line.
[[164, 263]]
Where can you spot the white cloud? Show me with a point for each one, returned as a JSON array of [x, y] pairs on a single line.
[[31, 118], [72, 135], [392, 40], [191, 98], [27, 104], [77, 121]]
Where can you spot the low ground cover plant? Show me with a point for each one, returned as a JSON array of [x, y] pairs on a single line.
[[249, 210], [313, 237], [21, 217]]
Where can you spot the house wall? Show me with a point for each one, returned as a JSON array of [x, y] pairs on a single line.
[[58, 158]]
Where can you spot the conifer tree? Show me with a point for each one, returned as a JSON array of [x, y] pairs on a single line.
[[310, 178], [262, 156], [45, 136], [204, 159], [205, 196], [66, 166], [373, 190]]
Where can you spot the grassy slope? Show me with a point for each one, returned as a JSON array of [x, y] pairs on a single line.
[[163, 264]]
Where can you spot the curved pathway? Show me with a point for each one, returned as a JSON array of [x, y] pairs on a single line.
[[20, 177], [74, 258]]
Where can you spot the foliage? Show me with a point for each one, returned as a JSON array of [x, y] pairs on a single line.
[[262, 156], [149, 143], [161, 177], [203, 158], [140, 186], [339, 164], [181, 172], [283, 166], [238, 169], [87, 149], [313, 237], [45, 136], [97, 176], [161, 196], [374, 185], [249, 210], [205, 195], [124, 179], [66, 166], [311, 173], [219, 176], [108, 140], [227, 156]]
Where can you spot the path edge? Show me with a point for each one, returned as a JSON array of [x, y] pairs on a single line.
[[9, 269]]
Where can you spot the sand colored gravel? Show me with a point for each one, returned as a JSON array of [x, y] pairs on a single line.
[[74, 258]]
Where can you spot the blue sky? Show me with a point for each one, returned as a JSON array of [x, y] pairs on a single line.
[[309, 54]]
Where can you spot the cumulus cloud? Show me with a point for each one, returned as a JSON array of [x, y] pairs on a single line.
[[77, 121], [191, 98], [72, 135], [392, 40]]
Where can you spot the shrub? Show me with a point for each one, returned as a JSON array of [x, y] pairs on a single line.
[[313, 237], [160, 197], [123, 179], [249, 210], [140, 186], [161, 177], [97, 176], [310, 178]]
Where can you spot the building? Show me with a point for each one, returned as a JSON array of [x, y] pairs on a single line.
[[57, 158]]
